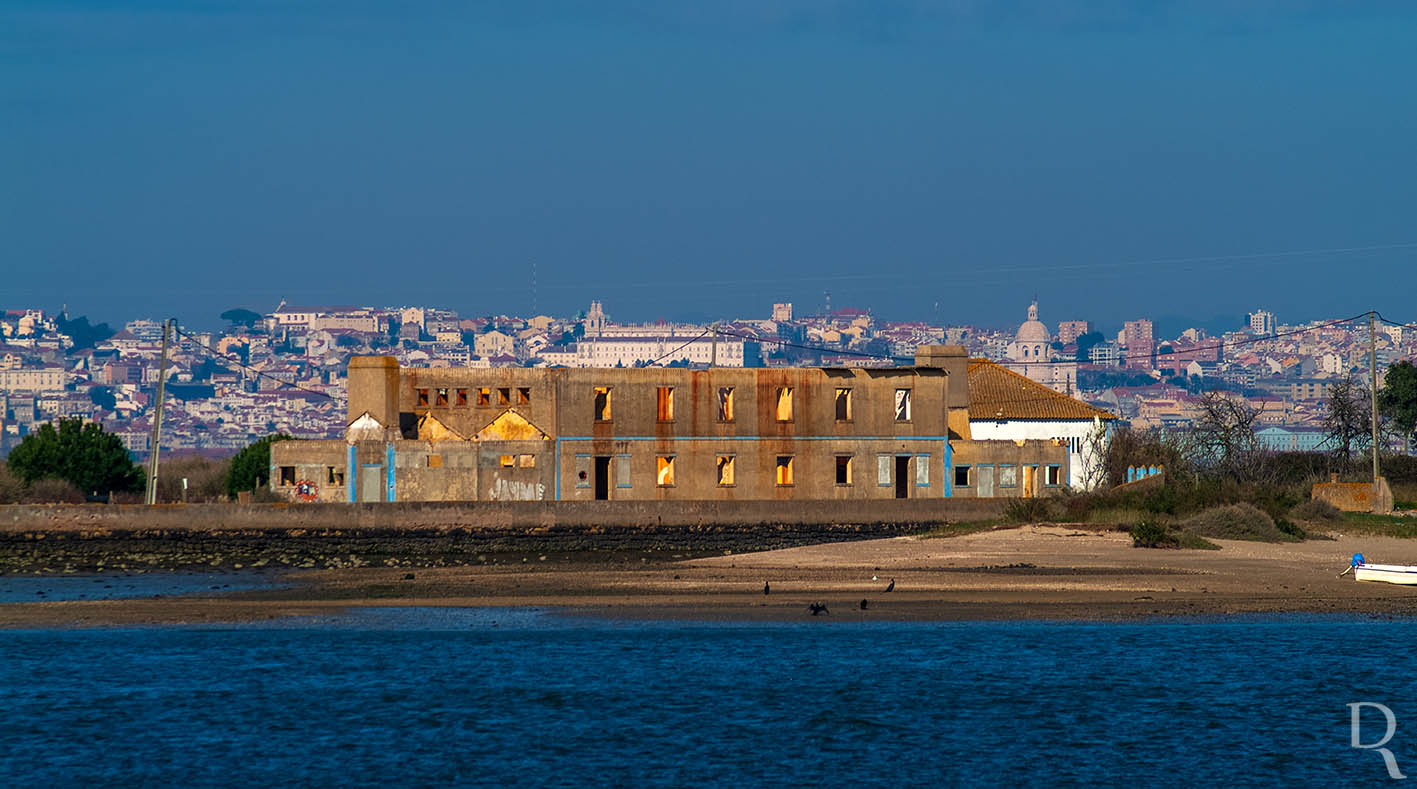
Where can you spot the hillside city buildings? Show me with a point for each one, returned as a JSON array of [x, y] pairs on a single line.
[[285, 370]]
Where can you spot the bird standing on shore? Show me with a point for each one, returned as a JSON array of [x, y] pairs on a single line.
[[864, 603], [891, 586], [766, 588]]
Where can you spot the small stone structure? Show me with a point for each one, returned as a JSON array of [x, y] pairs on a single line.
[[1355, 496]]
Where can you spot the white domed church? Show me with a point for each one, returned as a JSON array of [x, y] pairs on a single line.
[[1031, 355]]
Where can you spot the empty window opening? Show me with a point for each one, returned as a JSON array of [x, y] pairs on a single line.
[[784, 469], [725, 404], [508, 461], [504, 395], [333, 476], [484, 396], [440, 397], [961, 476], [523, 395], [1053, 476], [664, 471], [526, 461], [602, 404], [784, 404], [902, 405], [843, 405], [843, 469], [435, 461], [725, 470], [423, 397], [664, 403], [287, 475], [462, 397]]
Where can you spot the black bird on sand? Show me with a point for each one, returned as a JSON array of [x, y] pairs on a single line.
[[863, 604], [766, 588], [891, 587], [818, 608]]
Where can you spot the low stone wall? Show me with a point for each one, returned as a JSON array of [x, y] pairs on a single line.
[[496, 516], [1355, 496]]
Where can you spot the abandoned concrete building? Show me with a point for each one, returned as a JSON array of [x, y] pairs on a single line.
[[418, 434]]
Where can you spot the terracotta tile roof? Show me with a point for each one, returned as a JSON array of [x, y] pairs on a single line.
[[996, 392]]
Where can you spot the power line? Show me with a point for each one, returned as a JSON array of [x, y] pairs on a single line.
[[247, 367], [657, 359]]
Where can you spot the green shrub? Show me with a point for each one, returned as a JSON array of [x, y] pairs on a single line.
[[1236, 522], [1150, 534], [1028, 510], [1316, 510]]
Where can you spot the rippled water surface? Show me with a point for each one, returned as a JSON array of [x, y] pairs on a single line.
[[420, 696]]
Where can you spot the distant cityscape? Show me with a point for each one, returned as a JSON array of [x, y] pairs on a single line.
[[284, 370]]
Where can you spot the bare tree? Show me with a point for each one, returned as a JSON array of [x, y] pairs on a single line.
[[1223, 436], [1348, 421]]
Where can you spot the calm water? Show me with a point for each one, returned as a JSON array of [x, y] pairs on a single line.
[[117, 586], [415, 696]]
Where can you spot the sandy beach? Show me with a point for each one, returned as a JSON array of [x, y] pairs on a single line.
[[1028, 572]]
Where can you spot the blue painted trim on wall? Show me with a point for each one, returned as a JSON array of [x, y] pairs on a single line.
[[949, 471], [557, 463], [352, 476], [389, 464]]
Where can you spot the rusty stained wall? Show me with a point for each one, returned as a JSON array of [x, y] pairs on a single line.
[[319, 470], [1020, 454], [755, 461], [1355, 496]]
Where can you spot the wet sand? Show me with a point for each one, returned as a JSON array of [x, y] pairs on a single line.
[[1030, 572]]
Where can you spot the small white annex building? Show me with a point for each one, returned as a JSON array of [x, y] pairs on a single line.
[[1007, 406]]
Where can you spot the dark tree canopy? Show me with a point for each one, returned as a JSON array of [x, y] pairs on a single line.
[[84, 335], [77, 451], [241, 317], [1397, 399], [103, 396], [251, 467]]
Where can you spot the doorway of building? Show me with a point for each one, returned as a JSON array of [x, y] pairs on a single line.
[[985, 475], [902, 476], [602, 477]]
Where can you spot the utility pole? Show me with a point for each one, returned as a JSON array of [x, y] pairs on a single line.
[[1373, 390], [156, 449]]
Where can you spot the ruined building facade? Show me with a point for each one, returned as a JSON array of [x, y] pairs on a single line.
[[662, 434]]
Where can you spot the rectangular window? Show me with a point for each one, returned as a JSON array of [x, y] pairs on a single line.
[[504, 395], [664, 471], [602, 404], [784, 469], [440, 397], [523, 395], [883, 470], [922, 471], [462, 397], [843, 405], [664, 403], [784, 404], [725, 404], [622, 471], [333, 475], [1008, 476], [902, 405], [1054, 476], [526, 461], [843, 469], [484, 396], [961, 476], [583, 471], [287, 475], [422, 397], [508, 461], [725, 470], [435, 461]]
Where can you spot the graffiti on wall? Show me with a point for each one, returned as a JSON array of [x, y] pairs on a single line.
[[512, 490], [305, 490]]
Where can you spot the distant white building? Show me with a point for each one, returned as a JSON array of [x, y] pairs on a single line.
[[1031, 355], [1262, 323]]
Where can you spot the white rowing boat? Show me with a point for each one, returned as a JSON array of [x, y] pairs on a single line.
[[1386, 573]]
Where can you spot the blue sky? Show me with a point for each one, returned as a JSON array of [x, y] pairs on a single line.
[[929, 160]]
